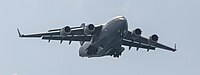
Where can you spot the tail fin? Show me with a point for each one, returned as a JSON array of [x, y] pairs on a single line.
[[82, 42]]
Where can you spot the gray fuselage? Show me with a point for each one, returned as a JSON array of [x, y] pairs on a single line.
[[109, 39]]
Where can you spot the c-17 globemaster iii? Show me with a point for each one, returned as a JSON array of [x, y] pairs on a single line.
[[103, 39]]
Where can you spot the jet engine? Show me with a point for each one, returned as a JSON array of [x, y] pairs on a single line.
[[65, 31], [136, 33], [153, 39], [89, 29]]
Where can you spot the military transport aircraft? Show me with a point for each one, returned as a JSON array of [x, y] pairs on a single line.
[[103, 39]]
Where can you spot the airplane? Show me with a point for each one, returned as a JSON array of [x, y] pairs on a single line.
[[102, 39]]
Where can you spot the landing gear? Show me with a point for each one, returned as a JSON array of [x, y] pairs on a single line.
[[117, 53]]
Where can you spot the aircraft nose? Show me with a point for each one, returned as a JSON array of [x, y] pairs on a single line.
[[121, 21], [122, 18]]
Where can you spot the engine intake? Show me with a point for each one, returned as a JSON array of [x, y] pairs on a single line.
[[153, 39], [136, 33], [89, 29], [65, 31]]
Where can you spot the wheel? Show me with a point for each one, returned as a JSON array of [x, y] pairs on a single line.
[[114, 56], [118, 56], [120, 53]]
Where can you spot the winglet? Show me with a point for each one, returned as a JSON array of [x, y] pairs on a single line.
[[19, 33], [174, 48]]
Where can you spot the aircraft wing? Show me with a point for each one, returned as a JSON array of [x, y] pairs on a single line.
[[76, 34], [144, 41], [69, 37], [38, 35], [137, 45]]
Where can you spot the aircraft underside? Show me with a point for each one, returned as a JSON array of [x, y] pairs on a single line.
[[108, 45]]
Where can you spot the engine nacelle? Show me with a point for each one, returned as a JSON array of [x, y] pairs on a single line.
[[136, 33], [153, 39], [65, 31], [89, 29]]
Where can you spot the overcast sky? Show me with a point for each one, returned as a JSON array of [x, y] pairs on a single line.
[[174, 21]]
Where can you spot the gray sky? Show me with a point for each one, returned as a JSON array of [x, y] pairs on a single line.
[[175, 21]]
